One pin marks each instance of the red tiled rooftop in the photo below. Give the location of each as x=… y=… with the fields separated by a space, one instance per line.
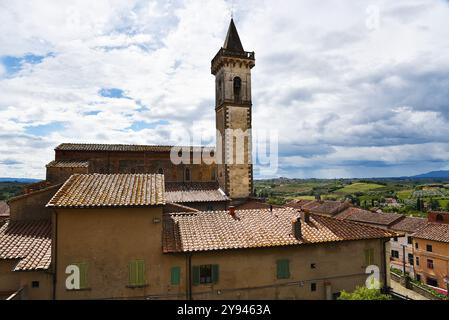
x=68 y=164
x=203 y=231
x=365 y=216
x=110 y=190
x=122 y=147
x=27 y=241
x=433 y=231
x=326 y=207
x=409 y=224
x=4 y=209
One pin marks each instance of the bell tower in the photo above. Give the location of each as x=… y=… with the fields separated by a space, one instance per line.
x=231 y=67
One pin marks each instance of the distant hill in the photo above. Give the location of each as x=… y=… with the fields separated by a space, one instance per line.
x=20 y=180
x=433 y=174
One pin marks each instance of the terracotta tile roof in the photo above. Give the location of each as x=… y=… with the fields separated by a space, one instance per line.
x=297 y=204
x=4 y=209
x=326 y=207
x=121 y=147
x=189 y=186
x=252 y=204
x=68 y=164
x=194 y=192
x=176 y=207
x=365 y=216
x=409 y=224
x=203 y=231
x=434 y=231
x=110 y=190
x=27 y=241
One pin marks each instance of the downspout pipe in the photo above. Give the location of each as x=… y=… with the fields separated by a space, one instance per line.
x=189 y=276
x=54 y=252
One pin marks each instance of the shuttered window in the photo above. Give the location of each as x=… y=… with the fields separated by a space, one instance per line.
x=369 y=257
x=175 y=276
x=283 y=269
x=137 y=273
x=82 y=266
x=205 y=274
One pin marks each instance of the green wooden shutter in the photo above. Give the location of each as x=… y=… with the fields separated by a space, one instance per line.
x=137 y=273
x=196 y=275
x=215 y=273
x=283 y=269
x=369 y=256
x=83 y=274
x=175 y=276
x=132 y=273
x=140 y=272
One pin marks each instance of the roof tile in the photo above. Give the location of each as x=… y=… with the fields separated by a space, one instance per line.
x=110 y=190
x=203 y=231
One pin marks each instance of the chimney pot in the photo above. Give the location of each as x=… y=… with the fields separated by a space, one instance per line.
x=305 y=215
x=296 y=228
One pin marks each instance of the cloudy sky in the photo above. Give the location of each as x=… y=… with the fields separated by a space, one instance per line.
x=354 y=88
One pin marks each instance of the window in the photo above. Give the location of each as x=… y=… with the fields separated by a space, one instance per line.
x=369 y=256
x=430 y=263
x=418 y=277
x=313 y=286
x=432 y=282
x=395 y=239
x=439 y=218
x=312 y=266
x=417 y=261
x=409 y=240
x=160 y=171
x=283 y=269
x=410 y=259
x=82 y=266
x=395 y=254
x=187 y=174
x=137 y=273
x=237 y=88
x=205 y=274
x=175 y=276
x=429 y=248
x=35 y=284
x=416 y=245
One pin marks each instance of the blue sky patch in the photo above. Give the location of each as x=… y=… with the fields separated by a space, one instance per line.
x=15 y=64
x=112 y=93
x=45 y=129
x=141 y=125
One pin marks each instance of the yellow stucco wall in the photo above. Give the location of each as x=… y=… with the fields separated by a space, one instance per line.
x=107 y=240
x=440 y=257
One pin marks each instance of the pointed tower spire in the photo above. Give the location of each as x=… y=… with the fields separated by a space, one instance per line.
x=232 y=41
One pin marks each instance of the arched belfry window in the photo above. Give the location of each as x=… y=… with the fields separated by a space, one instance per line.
x=237 y=89
x=220 y=90
x=187 y=174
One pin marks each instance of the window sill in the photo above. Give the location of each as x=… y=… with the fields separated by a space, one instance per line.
x=137 y=286
x=82 y=289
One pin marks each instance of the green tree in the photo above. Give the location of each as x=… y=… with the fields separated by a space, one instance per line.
x=363 y=293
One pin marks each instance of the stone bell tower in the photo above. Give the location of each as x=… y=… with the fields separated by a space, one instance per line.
x=231 y=67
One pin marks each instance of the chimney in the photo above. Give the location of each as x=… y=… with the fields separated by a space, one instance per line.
x=296 y=228
x=305 y=216
x=271 y=208
x=232 y=211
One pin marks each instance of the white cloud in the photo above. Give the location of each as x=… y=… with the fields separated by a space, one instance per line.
x=347 y=99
